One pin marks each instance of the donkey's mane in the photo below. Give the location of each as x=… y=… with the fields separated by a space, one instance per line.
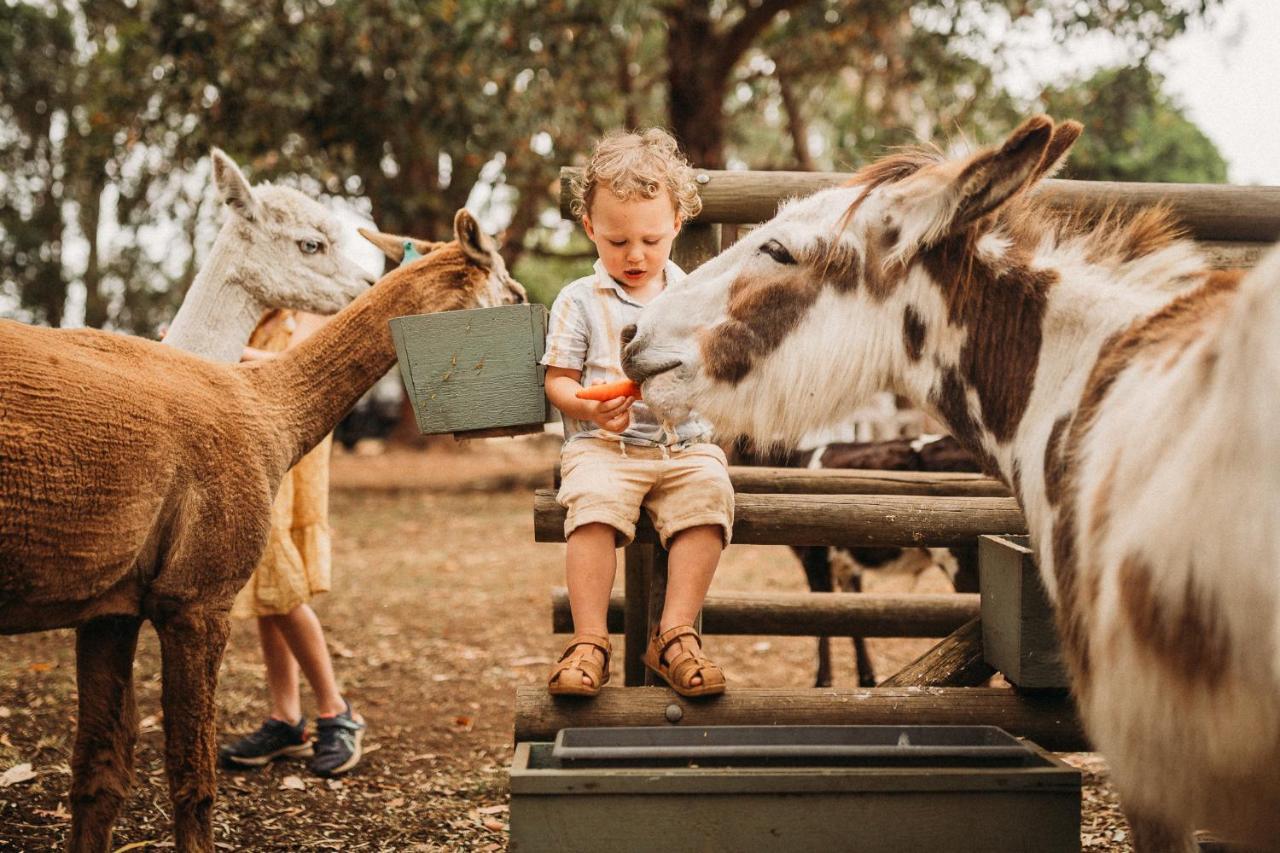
x=1114 y=235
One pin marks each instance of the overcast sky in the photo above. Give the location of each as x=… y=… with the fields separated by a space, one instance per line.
x=1228 y=76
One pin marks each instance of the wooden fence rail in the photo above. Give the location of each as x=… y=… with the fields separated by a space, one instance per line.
x=1048 y=719
x=1212 y=212
x=849 y=520
x=807 y=614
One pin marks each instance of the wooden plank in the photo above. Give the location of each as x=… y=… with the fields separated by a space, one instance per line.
x=1210 y=211
x=807 y=614
x=856 y=481
x=955 y=662
x=697 y=243
x=1050 y=720
x=842 y=481
x=631 y=617
x=850 y=520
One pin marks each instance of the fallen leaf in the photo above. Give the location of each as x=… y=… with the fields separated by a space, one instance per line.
x=17 y=773
x=396 y=803
x=59 y=813
x=293 y=783
x=492 y=809
x=463 y=723
x=135 y=845
x=40 y=666
x=149 y=723
x=335 y=784
x=4 y=712
x=494 y=825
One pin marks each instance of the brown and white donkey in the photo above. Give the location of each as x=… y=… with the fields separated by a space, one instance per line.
x=1126 y=392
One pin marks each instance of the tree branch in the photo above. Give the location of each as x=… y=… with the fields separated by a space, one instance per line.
x=743 y=34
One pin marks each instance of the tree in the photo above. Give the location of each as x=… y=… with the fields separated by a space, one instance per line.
x=1134 y=131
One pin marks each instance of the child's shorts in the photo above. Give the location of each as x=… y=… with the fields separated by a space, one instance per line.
x=607 y=482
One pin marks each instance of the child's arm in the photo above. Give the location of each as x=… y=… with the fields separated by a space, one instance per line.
x=563 y=383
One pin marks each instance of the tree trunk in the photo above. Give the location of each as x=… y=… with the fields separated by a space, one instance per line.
x=697 y=85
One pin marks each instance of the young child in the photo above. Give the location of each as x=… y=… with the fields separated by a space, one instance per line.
x=294 y=568
x=617 y=457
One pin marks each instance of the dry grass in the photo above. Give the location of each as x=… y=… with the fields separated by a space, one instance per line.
x=440 y=611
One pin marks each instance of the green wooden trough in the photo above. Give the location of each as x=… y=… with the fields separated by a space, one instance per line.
x=475 y=373
x=890 y=789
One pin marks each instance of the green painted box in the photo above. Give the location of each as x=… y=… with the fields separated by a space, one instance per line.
x=1019 y=637
x=475 y=372
x=1027 y=805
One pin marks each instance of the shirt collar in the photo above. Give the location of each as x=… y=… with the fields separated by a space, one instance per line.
x=604 y=281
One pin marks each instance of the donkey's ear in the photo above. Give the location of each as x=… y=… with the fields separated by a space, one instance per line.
x=393 y=245
x=1064 y=136
x=233 y=189
x=476 y=244
x=991 y=178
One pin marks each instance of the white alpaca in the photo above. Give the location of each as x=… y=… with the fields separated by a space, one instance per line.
x=277 y=249
x=1125 y=392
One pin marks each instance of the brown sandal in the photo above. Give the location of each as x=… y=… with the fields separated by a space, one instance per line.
x=680 y=672
x=568 y=678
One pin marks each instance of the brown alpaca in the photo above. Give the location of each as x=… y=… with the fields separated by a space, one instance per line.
x=136 y=483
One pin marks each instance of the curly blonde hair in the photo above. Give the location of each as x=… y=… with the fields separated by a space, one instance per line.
x=634 y=165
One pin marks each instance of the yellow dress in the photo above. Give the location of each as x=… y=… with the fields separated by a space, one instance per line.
x=297 y=562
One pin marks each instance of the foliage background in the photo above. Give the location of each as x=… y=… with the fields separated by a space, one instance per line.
x=404 y=111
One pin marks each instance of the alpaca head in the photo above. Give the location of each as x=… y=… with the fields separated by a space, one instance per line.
x=286 y=247
x=795 y=325
x=466 y=272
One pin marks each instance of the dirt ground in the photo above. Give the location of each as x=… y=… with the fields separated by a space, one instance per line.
x=440 y=610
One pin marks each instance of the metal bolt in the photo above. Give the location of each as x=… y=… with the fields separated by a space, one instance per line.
x=674 y=713
x=703 y=178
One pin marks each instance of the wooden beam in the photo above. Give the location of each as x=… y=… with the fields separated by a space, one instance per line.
x=854 y=481
x=955 y=662
x=805 y=614
x=851 y=520
x=758 y=479
x=1049 y=720
x=1211 y=211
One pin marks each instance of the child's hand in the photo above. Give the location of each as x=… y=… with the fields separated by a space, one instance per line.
x=613 y=415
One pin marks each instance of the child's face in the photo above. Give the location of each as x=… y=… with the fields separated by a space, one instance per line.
x=633 y=237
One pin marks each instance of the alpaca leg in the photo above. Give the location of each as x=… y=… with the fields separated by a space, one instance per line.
x=107 y=729
x=817 y=571
x=191 y=647
x=1156 y=836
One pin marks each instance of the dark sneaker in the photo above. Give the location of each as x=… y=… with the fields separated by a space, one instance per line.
x=338 y=740
x=273 y=739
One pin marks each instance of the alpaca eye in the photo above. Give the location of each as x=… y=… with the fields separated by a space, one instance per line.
x=778 y=252
x=310 y=247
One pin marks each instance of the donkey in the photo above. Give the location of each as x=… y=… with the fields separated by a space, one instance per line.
x=1123 y=390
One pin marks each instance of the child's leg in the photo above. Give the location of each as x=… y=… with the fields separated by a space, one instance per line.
x=282 y=671
x=694 y=555
x=691 y=564
x=301 y=631
x=590 y=565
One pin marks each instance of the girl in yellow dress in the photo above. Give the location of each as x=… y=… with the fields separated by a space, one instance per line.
x=295 y=567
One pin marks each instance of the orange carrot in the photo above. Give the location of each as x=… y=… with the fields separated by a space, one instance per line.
x=610 y=390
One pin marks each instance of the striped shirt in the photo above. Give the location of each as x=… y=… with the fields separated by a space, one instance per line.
x=584 y=334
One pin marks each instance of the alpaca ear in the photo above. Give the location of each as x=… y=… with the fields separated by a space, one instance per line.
x=1064 y=136
x=993 y=177
x=476 y=244
x=393 y=245
x=233 y=189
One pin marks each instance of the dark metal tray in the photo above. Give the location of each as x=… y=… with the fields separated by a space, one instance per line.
x=798 y=746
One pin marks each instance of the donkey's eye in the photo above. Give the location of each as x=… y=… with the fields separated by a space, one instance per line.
x=778 y=252
x=310 y=247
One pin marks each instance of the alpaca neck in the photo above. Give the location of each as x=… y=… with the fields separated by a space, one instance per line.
x=218 y=314
x=310 y=387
